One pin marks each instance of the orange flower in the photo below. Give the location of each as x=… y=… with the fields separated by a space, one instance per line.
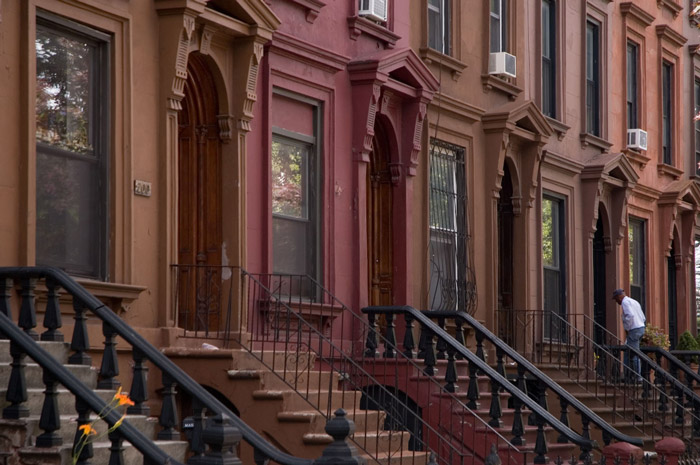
x=87 y=430
x=122 y=399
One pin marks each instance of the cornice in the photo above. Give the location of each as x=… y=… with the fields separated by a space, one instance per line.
x=359 y=25
x=635 y=12
x=646 y=193
x=458 y=108
x=562 y=163
x=453 y=65
x=490 y=82
x=287 y=45
x=664 y=31
x=668 y=170
x=674 y=7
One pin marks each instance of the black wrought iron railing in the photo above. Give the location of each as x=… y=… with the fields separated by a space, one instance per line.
x=453 y=347
x=592 y=368
x=23 y=336
x=299 y=331
x=674 y=405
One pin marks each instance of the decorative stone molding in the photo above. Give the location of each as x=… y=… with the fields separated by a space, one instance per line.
x=312 y=7
x=667 y=170
x=359 y=25
x=598 y=142
x=673 y=7
x=491 y=82
x=664 y=31
x=307 y=53
x=630 y=10
x=183 y=50
x=679 y=205
x=205 y=40
x=559 y=127
x=225 y=127
x=451 y=64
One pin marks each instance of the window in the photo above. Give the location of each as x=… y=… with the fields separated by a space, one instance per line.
x=295 y=204
x=72 y=146
x=636 y=238
x=553 y=262
x=498 y=26
x=448 y=238
x=548 y=58
x=666 y=115
x=439 y=25
x=697 y=281
x=632 y=85
x=697 y=126
x=593 y=77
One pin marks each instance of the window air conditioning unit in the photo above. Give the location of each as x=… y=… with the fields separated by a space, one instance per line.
x=502 y=63
x=636 y=139
x=373 y=9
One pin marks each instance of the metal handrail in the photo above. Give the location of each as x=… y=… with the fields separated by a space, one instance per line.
x=183 y=380
x=538 y=374
x=584 y=443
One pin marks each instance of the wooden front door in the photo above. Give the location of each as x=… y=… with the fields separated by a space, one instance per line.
x=379 y=227
x=199 y=202
x=600 y=296
x=507 y=321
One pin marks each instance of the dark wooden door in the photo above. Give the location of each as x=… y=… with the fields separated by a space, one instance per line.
x=507 y=320
x=672 y=298
x=599 y=295
x=199 y=202
x=379 y=227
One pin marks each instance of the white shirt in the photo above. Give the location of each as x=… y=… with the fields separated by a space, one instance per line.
x=632 y=315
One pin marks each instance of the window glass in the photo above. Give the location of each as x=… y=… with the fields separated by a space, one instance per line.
x=636 y=239
x=697 y=126
x=632 y=76
x=548 y=58
x=592 y=78
x=448 y=247
x=697 y=280
x=72 y=119
x=667 y=92
x=554 y=269
x=497 y=26
x=290 y=178
x=439 y=25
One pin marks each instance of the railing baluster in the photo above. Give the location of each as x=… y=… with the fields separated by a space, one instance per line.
x=495 y=411
x=564 y=418
x=480 y=347
x=429 y=352
x=678 y=391
x=390 y=336
x=50 y=420
x=518 y=430
x=197 y=446
x=5 y=294
x=408 y=342
x=586 y=433
x=540 y=441
x=459 y=336
x=371 y=342
x=696 y=419
x=441 y=345
x=109 y=369
x=473 y=389
x=259 y=458
x=79 y=343
x=27 y=311
x=52 y=317
x=116 y=449
x=451 y=372
x=86 y=452
x=168 y=413
x=17 y=386
x=139 y=393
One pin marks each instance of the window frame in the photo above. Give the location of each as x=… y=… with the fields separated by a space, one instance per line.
x=444 y=11
x=100 y=127
x=549 y=99
x=559 y=251
x=458 y=218
x=638 y=251
x=502 y=18
x=632 y=85
x=696 y=123
x=667 y=109
x=593 y=84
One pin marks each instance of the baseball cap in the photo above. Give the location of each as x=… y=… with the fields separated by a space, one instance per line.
x=617 y=292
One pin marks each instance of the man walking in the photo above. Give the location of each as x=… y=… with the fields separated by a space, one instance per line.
x=634 y=321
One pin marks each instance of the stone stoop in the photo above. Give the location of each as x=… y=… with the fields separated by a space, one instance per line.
x=17 y=437
x=283 y=405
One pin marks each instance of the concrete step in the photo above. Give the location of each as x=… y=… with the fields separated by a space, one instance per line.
x=33 y=374
x=316 y=422
x=290 y=400
x=65 y=399
x=58 y=350
x=401 y=458
x=101 y=452
x=300 y=381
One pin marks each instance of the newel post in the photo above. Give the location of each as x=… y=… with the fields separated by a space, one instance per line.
x=340 y=452
x=671 y=449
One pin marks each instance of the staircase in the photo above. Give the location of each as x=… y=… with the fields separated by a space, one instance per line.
x=17 y=437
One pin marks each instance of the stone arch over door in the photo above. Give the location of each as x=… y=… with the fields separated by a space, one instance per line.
x=607 y=181
x=244 y=26
x=515 y=135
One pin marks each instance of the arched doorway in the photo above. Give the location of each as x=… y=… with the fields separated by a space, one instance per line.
x=599 y=295
x=199 y=201
x=505 y=258
x=380 y=223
